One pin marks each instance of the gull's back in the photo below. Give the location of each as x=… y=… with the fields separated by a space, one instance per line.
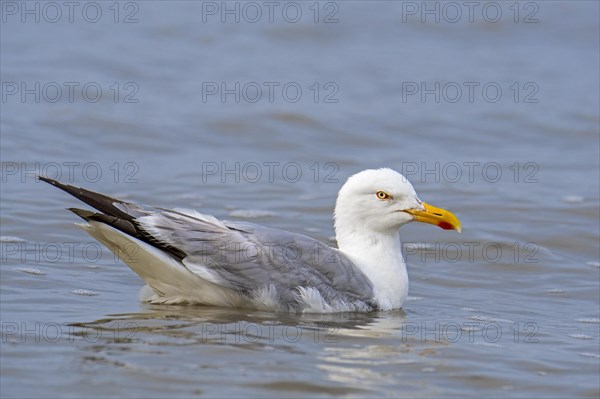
x=188 y=257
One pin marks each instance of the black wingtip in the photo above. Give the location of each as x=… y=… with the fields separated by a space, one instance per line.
x=48 y=180
x=112 y=215
x=56 y=183
x=82 y=213
x=101 y=202
x=65 y=187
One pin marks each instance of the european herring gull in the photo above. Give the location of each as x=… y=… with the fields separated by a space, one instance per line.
x=188 y=257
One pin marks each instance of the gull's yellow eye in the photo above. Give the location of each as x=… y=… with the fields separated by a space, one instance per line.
x=382 y=195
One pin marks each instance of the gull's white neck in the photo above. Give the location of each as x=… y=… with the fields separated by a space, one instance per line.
x=379 y=256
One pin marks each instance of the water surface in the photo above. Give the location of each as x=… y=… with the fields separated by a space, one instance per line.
x=509 y=308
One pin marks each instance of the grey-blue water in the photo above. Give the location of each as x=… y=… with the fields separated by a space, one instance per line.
x=261 y=111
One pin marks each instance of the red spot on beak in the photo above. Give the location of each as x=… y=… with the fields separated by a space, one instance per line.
x=446 y=226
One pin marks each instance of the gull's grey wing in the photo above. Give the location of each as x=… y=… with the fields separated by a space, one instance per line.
x=248 y=257
x=236 y=255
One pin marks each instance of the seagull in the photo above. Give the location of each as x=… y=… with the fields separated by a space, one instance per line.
x=186 y=257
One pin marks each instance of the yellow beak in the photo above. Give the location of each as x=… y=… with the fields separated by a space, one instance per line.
x=433 y=215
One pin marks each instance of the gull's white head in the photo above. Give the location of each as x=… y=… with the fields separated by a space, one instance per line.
x=382 y=200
